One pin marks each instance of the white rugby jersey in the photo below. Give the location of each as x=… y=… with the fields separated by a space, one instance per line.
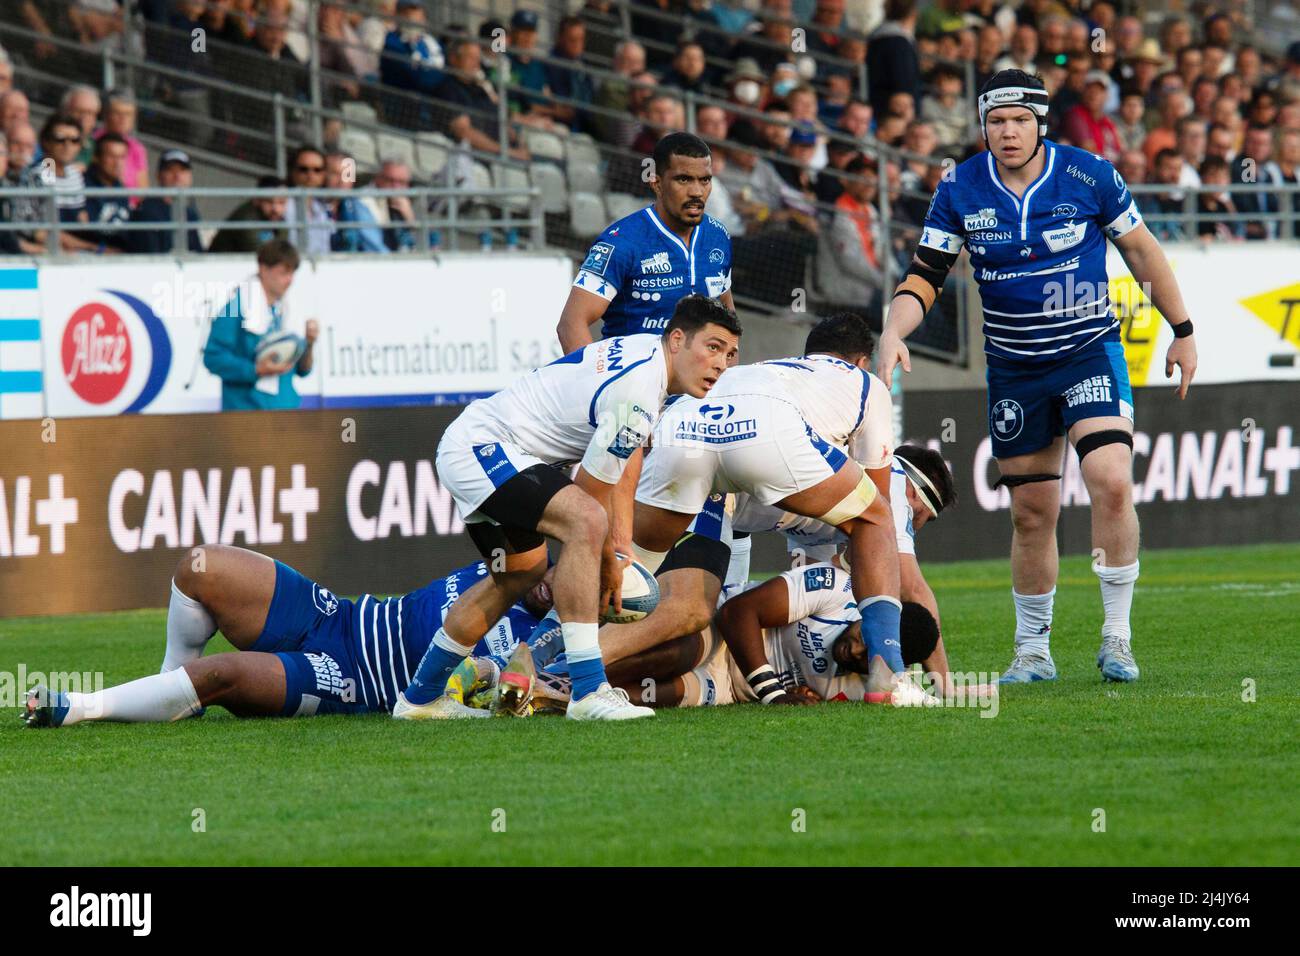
x=848 y=407
x=821 y=607
x=596 y=405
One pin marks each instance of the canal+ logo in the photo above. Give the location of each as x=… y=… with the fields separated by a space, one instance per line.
x=116 y=353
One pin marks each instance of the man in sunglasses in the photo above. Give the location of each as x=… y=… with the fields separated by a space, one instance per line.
x=313 y=231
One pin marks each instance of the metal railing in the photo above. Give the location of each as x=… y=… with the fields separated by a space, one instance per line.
x=437 y=213
x=1183 y=222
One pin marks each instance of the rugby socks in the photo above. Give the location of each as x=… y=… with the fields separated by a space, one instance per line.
x=156 y=699
x=1116 y=599
x=738 y=567
x=880 y=621
x=189 y=628
x=1033 y=622
x=442 y=657
x=582 y=648
x=547 y=640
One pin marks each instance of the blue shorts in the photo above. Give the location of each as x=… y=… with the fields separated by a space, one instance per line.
x=1031 y=405
x=312 y=632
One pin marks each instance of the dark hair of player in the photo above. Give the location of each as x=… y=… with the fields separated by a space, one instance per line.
x=918 y=633
x=845 y=334
x=278 y=252
x=678 y=144
x=694 y=312
x=931 y=464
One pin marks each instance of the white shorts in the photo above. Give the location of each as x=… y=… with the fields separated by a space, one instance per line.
x=472 y=465
x=751 y=443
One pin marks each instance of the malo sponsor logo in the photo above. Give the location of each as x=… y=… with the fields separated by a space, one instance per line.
x=984 y=219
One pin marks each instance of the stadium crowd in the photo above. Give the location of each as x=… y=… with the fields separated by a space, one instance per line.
x=1174 y=99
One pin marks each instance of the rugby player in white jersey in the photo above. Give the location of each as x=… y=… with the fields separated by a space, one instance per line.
x=1035 y=217
x=779 y=431
x=501 y=462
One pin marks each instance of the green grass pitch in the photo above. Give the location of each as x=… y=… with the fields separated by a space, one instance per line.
x=1185 y=770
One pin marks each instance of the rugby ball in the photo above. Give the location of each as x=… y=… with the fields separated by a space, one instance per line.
x=282 y=348
x=640 y=595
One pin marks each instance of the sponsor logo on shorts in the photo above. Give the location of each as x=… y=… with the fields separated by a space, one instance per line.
x=1006 y=420
x=984 y=219
x=329 y=676
x=658 y=264
x=1089 y=391
x=717 y=433
x=597 y=260
x=818 y=579
x=324 y=600
x=717 y=413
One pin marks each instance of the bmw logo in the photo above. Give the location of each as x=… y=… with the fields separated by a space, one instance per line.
x=1006 y=420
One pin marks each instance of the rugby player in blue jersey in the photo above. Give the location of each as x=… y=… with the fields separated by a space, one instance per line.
x=643 y=264
x=302 y=650
x=1035 y=216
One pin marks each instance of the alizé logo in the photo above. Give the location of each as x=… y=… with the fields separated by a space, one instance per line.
x=96 y=353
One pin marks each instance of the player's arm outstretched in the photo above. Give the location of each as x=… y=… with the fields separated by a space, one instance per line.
x=741 y=621
x=1146 y=260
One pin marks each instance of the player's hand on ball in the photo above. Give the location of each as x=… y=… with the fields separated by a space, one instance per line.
x=611 y=580
x=267 y=367
x=892 y=352
x=1183 y=354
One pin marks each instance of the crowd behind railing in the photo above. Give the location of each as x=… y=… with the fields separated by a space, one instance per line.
x=831 y=119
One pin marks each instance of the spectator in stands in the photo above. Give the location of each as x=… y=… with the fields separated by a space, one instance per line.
x=659 y=32
x=119 y=118
x=1133 y=166
x=107 y=213
x=230 y=22
x=1219 y=142
x=989 y=45
x=921 y=140
x=892 y=63
x=1190 y=144
x=342 y=51
x=940 y=17
x=310 y=217
x=711 y=125
x=1158 y=209
x=615 y=96
x=772 y=44
x=1214 y=172
x=1139 y=69
x=687 y=73
x=830 y=184
x=1262 y=110
x=258 y=309
x=1087 y=126
x=1070 y=93
x=6 y=74
x=747 y=86
x=412 y=61
x=1131 y=125
x=12 y=243
x=15 y=108
x=174 y=172
x=570 y=82
x=946 y=110
x=1287 y=81
x=82 y=104
x=839 y=90
x=528 y=72
x=855 y=121
x=1023 y=54
x=98 y=23
x=1187 y=64
x=374 y=29
x=60 y=143
x=22 y=149
x=395 y=210
x=825 y=27
x=1255 y=170
x=357 y=229
x=271 y=38
x=850 y=271
x=258 y=209
x=604 y=28
x=664 y=113
x=1288 y=171
x=1174 y=105
x=468 y=105
x=797 y=169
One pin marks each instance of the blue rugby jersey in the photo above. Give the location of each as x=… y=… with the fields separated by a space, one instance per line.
x=391 y=635
x=1040 y=259
x=642 y=269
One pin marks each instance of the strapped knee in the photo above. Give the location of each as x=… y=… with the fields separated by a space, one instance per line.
x=1111 y=436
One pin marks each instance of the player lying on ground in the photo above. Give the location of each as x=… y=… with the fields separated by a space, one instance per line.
x=302 y=650
x=921 y=487
x=501 y=460
x=1035 y=216
x=778 y=431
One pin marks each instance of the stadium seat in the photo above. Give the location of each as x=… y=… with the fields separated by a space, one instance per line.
x=618 y=205
x=431 y=151
x=544 y=145
x=392 y=146
x=359 y=111
x=586 y=215
x=511 y=177
x=580 y=149
x=360 y=145
x=584 y=177
x=555 y=191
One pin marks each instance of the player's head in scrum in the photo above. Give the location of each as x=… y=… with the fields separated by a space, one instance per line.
x=701 y=342
x=929 y=486
x=917 y=633
x=682 y=178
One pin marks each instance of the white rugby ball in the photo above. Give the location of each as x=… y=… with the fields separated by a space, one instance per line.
x=282 y=348
x=640 y=595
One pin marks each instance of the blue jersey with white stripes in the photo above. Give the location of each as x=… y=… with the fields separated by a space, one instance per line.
x=1039 y=258
x=641 y=268
x=390 y=635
